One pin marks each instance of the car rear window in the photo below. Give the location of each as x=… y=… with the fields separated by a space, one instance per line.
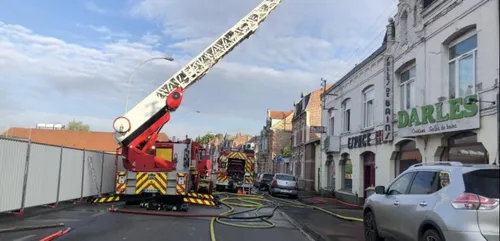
x=483 y=182
x=285 y=177
x=268 y=176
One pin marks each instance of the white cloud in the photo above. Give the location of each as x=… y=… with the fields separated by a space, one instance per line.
x=54 y=80
x=92 y=6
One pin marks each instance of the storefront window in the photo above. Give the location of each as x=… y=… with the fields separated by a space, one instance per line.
x=408 y=155
x=330 y=172
x=346 y=172
x=465 y=148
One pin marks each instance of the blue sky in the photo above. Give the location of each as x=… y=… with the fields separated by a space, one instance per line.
x=64 y=60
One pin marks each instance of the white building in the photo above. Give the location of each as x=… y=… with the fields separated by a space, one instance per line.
x=414 y=99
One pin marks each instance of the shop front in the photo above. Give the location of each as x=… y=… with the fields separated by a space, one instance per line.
x=358 y=164
x=447 y=130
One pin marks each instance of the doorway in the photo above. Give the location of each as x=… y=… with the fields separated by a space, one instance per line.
x=368 y=171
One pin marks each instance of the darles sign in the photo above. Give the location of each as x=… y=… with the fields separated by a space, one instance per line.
x=388 y=99
x=457 y=115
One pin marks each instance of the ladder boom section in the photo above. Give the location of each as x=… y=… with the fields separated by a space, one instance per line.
x=152 y=107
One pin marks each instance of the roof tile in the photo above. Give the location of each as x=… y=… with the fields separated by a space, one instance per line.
x=88 y=140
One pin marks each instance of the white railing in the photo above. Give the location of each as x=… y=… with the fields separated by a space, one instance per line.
x=33 y=174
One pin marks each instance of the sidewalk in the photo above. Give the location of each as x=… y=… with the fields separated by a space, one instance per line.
x=333 y=205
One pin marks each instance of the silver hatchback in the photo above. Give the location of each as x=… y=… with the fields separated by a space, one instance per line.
x=284 y=184
x=445 y=201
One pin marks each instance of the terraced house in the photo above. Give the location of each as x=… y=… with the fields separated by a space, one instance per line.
x=274 y=136
x=307 y=113
x=427 y=94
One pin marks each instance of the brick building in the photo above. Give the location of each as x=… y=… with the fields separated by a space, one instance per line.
x=307 y=113
x=275 y=136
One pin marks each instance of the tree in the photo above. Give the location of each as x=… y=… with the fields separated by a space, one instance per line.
x=286 y=151
x=207 y=138
x=219 y=136
x=78 y=126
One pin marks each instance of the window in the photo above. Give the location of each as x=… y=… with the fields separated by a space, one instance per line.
x=331 y=126
x=346 y=173
x=346 y=110
x=407 y=88
x=428 y=2
x=368 y=108
x=464 y=147
x=286 y=178
x=483 y=182
x=401 y=184
x=462 y=67
x=304 y=128
x=425 y=183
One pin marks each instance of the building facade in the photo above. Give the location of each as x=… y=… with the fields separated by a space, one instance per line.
x=307 y=113
x=428 y=94
x=274 y=136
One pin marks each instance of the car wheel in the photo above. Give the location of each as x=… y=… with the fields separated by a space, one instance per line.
x=370 y=226
x=431 y=235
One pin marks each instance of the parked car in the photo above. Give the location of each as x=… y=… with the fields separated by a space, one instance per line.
x=444 y=201
x=284 y=184
x=256 y=179
x=264 y=181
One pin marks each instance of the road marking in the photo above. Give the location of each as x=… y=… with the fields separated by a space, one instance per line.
x=98 y=214
x=24 y=238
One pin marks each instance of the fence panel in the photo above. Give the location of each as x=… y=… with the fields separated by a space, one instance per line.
x=89 y=185
x=71 y=174
x=109 y=174
x=12 y=168
x=43 y=175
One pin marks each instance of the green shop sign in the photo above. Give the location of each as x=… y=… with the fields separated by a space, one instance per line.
x=454 y=115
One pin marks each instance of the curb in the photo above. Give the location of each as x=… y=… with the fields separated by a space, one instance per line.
x=306 y=231
x=42 y=211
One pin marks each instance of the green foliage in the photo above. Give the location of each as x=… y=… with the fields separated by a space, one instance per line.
x=208 y=137
x=348 y=167
x=78 y=126
x=287 y=151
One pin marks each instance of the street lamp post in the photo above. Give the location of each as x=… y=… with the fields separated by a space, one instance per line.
x=135 y=70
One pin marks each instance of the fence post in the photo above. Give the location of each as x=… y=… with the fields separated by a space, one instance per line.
x=25 y=178
x=83 y=176
x=102 y=170
x=59 y=176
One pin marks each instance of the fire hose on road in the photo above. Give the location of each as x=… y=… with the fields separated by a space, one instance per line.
x=251 y=203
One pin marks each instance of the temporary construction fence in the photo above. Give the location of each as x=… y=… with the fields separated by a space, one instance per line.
x=33 y=174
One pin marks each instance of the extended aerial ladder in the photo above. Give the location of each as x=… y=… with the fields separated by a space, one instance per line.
x=138 y=129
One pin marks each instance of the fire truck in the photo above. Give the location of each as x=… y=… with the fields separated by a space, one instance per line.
x=235 y=169
x=137 y=130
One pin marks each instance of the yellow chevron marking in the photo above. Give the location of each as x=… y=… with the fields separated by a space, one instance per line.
x=107 y=199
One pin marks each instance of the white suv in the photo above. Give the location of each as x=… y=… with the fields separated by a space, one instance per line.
x=445 y=201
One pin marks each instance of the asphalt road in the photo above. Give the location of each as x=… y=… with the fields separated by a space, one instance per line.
x=322 y=226
x=96 y=223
